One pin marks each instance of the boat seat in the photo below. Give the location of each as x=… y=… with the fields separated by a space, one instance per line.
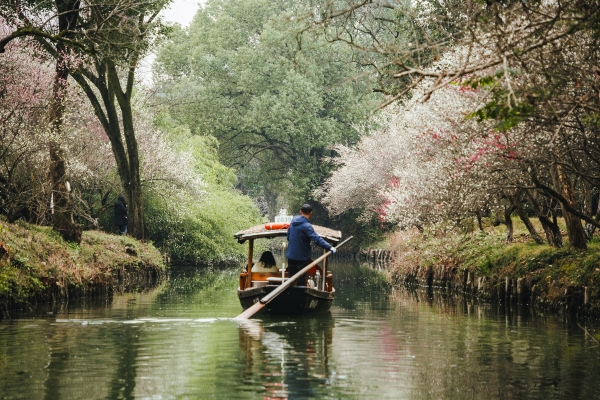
x=276 y=280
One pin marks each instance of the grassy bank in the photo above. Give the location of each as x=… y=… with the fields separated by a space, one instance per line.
x=36 y=262
x=552 y=274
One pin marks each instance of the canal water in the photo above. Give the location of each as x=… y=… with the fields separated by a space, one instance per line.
x=179 y=341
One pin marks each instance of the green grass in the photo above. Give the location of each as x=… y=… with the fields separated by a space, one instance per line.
x=38 y=257
x=487 y=254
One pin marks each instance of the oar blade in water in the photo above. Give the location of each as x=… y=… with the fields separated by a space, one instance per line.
x=250 y=311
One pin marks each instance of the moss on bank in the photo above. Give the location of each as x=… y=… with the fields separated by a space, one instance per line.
x=36 y=262
x=484 y=264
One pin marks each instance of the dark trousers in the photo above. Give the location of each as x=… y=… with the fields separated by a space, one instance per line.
x=296 y=265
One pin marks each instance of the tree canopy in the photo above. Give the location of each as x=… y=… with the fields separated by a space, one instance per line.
x=529 y=143
x=276 y=95
x=490 y=109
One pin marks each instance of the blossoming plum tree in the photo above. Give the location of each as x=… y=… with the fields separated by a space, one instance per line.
x=536 y=142
x=106 y=40
x=25 y=88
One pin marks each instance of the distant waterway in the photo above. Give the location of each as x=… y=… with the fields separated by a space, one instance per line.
x=180 y=341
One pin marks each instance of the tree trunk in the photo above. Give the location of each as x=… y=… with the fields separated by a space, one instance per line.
x=564 y=186
x=102 y=90
x=126 y=154
x=589 y=228
x=479 y=221
x=551 y=229
x=507 y=220
x=62 y=220
x=509 y=224
x=136 y=208
x=532 y=231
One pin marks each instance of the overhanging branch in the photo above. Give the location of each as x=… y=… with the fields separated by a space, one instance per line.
x=29 y=31
x=565 y=202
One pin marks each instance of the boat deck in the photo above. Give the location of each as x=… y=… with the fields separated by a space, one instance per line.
x=295 y=300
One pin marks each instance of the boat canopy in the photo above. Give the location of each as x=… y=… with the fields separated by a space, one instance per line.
x=260 y=231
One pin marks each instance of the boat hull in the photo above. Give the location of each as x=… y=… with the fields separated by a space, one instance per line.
x=295 y=300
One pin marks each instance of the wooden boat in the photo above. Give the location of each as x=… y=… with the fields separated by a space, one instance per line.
x=311 y=296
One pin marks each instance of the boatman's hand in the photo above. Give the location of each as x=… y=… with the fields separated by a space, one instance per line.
x=332 y=249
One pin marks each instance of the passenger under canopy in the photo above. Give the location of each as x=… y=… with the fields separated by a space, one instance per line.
x=314 y=294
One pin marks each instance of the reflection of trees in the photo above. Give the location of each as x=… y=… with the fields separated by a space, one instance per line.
x=500 y=350
x=123 y=382
x=291 y=357
x=349 y=276
x=74 y=359
x=45 y=359
x=59 y=363
x=194 y=281
x=416 y=344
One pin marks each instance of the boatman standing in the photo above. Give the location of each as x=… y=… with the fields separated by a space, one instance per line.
x=299 y=235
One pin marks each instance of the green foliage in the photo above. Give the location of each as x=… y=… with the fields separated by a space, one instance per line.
x=195 y=226
x=353 y=275
x=199 y=228
x=276 y=99
x=501 y=107
x=368 y=277
x=486 y=82
x=17 y=283
x=365 y=233
x=591 y=118
x=204 y=150
x=206 y=281
x=507 y=116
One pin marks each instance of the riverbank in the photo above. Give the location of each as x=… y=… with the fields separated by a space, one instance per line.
x=484 y=265
x=37 y=265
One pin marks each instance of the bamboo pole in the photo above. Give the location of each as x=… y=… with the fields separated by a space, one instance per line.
x=250 y=311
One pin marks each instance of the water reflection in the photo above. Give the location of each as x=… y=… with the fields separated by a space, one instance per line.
x=291 y=356
x=180 y=341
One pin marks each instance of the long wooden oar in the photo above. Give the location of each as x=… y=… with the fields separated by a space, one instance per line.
x=250 y=311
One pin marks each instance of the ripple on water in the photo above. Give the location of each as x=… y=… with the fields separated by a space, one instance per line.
x=178 y=344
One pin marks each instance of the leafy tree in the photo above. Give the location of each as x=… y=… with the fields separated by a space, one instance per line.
x=192 y=207
x=99 y=45
x=66 y=18
x=276 y=96
x=25 y=87
x=536 y=60
x=199 y=227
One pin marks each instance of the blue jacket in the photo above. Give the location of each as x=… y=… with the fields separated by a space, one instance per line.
x=299 y=235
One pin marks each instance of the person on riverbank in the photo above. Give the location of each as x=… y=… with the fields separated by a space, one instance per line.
x=121 y=215
x=299 y=235
x=266 y=263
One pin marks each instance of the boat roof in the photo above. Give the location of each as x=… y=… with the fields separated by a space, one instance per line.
x=259 y=231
